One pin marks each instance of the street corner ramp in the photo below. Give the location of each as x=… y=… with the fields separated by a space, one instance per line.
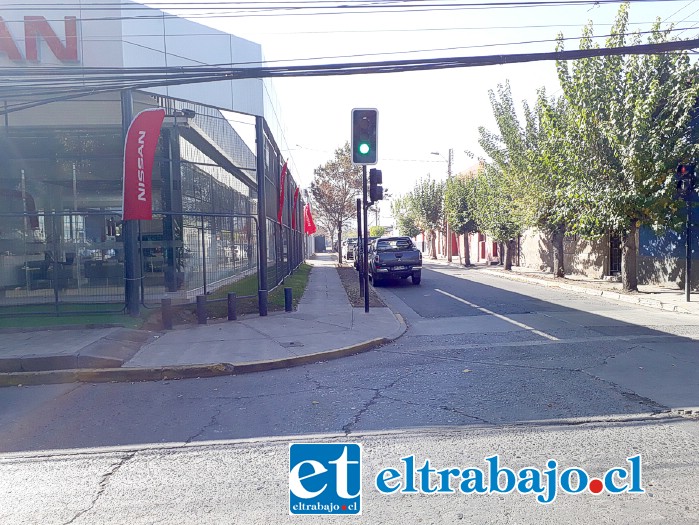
x=140 y=374
x=115 y=375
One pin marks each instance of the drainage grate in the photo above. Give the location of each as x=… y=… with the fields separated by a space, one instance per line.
x=291 y=343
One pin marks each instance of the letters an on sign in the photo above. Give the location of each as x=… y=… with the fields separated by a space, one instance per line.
x=37 y=28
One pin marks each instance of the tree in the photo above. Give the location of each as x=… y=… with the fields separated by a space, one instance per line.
x=421 y=210
x=632 y=115
x=402 y=213
x=426 y=207
x=503 y=206
x=493 y=211
x=377 y=231
x=555 y=161
x=458 y=194
x=334 y=188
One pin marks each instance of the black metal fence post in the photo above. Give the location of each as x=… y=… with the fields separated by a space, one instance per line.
x=201 y=309
x=288 y=301
x=166 y=312
x=262 y=302
x=232 y=306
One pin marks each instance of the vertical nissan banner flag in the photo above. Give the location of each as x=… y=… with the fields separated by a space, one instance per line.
x=309 y=226
x=282 y=184
x=293 y=213
x=139 y=153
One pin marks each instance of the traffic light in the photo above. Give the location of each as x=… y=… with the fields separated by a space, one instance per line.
x=375 y=181
x=685 y=180
x=364 y=136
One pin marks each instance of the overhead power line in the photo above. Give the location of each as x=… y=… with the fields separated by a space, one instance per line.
x=30 y=87
x=228 y=9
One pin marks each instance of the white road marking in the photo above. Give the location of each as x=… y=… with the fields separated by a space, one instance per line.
x=499 y=316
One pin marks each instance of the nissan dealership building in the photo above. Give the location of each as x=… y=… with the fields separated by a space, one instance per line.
x=215 y=187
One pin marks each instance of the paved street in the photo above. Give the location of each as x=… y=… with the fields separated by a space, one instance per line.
x=498 y=366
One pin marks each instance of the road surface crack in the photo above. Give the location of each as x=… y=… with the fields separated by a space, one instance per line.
x=347 y=429
x=213 y=421
x=113 y=469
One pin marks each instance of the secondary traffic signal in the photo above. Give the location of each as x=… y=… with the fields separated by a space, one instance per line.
x=375 y=181
x=364 y=136
x=685 y=180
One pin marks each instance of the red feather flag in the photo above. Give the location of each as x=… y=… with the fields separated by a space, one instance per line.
x=139 y=154
x=293 y=214
x=308 y=225
x=282 y=184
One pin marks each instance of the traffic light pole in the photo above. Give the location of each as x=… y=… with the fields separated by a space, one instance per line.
x=360 y=246
x=365 y=247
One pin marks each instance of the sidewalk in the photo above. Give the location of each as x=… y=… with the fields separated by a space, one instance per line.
x=323 y=327
x=666 y=298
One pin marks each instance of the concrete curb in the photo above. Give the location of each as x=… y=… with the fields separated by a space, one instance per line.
x=137 y=374
x=607 y=294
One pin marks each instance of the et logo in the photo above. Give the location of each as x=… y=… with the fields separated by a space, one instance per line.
x=325 y=478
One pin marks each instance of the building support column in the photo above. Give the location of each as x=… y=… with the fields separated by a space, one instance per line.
x=261 y=205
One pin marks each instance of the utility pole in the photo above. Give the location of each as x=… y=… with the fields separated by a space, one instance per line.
x=449 y=160
x=451 y=157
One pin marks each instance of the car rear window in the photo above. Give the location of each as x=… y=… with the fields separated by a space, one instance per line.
x=390 y=245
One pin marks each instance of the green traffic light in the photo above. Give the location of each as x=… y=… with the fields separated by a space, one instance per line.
x=364 y=148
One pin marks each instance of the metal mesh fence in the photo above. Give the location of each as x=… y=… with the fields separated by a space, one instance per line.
x=59 y=261
x=73 y=258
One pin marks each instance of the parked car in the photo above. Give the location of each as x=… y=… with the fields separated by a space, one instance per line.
x=348 y=248
x=394 y=258
x=358 y=253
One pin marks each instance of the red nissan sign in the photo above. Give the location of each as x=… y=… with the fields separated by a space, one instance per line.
x=139 y=152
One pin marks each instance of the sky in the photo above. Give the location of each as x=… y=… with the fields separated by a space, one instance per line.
x=428 y=111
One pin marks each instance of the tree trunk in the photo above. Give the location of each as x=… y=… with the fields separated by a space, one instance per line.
x=339 y=243
x=557 y=243
x=509 y=247
x=467 y=251
x=433 y=245
x=629 y=260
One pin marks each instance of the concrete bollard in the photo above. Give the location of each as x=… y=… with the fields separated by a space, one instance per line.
x=232 y=306
x=201 y=309
x=166 y=312
x=262 y=302
x=288 y=303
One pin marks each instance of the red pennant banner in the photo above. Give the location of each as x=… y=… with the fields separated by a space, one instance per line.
x=139 y=153
x=293 y=215
x=308 y=225
x=282 y=184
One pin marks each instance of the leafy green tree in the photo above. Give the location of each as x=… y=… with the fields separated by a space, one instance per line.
x=458 y=194
x=426 y=204
x=493 y=211
x=632 y=115
x=402 y=214
x=334 y=189
x=503 y=206
x=377 y=231
x=421 y=210
x=555 y=160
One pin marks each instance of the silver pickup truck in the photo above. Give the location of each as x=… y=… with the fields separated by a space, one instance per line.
x=394 y=258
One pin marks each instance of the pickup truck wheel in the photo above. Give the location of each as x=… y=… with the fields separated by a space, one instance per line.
x=416 y=279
